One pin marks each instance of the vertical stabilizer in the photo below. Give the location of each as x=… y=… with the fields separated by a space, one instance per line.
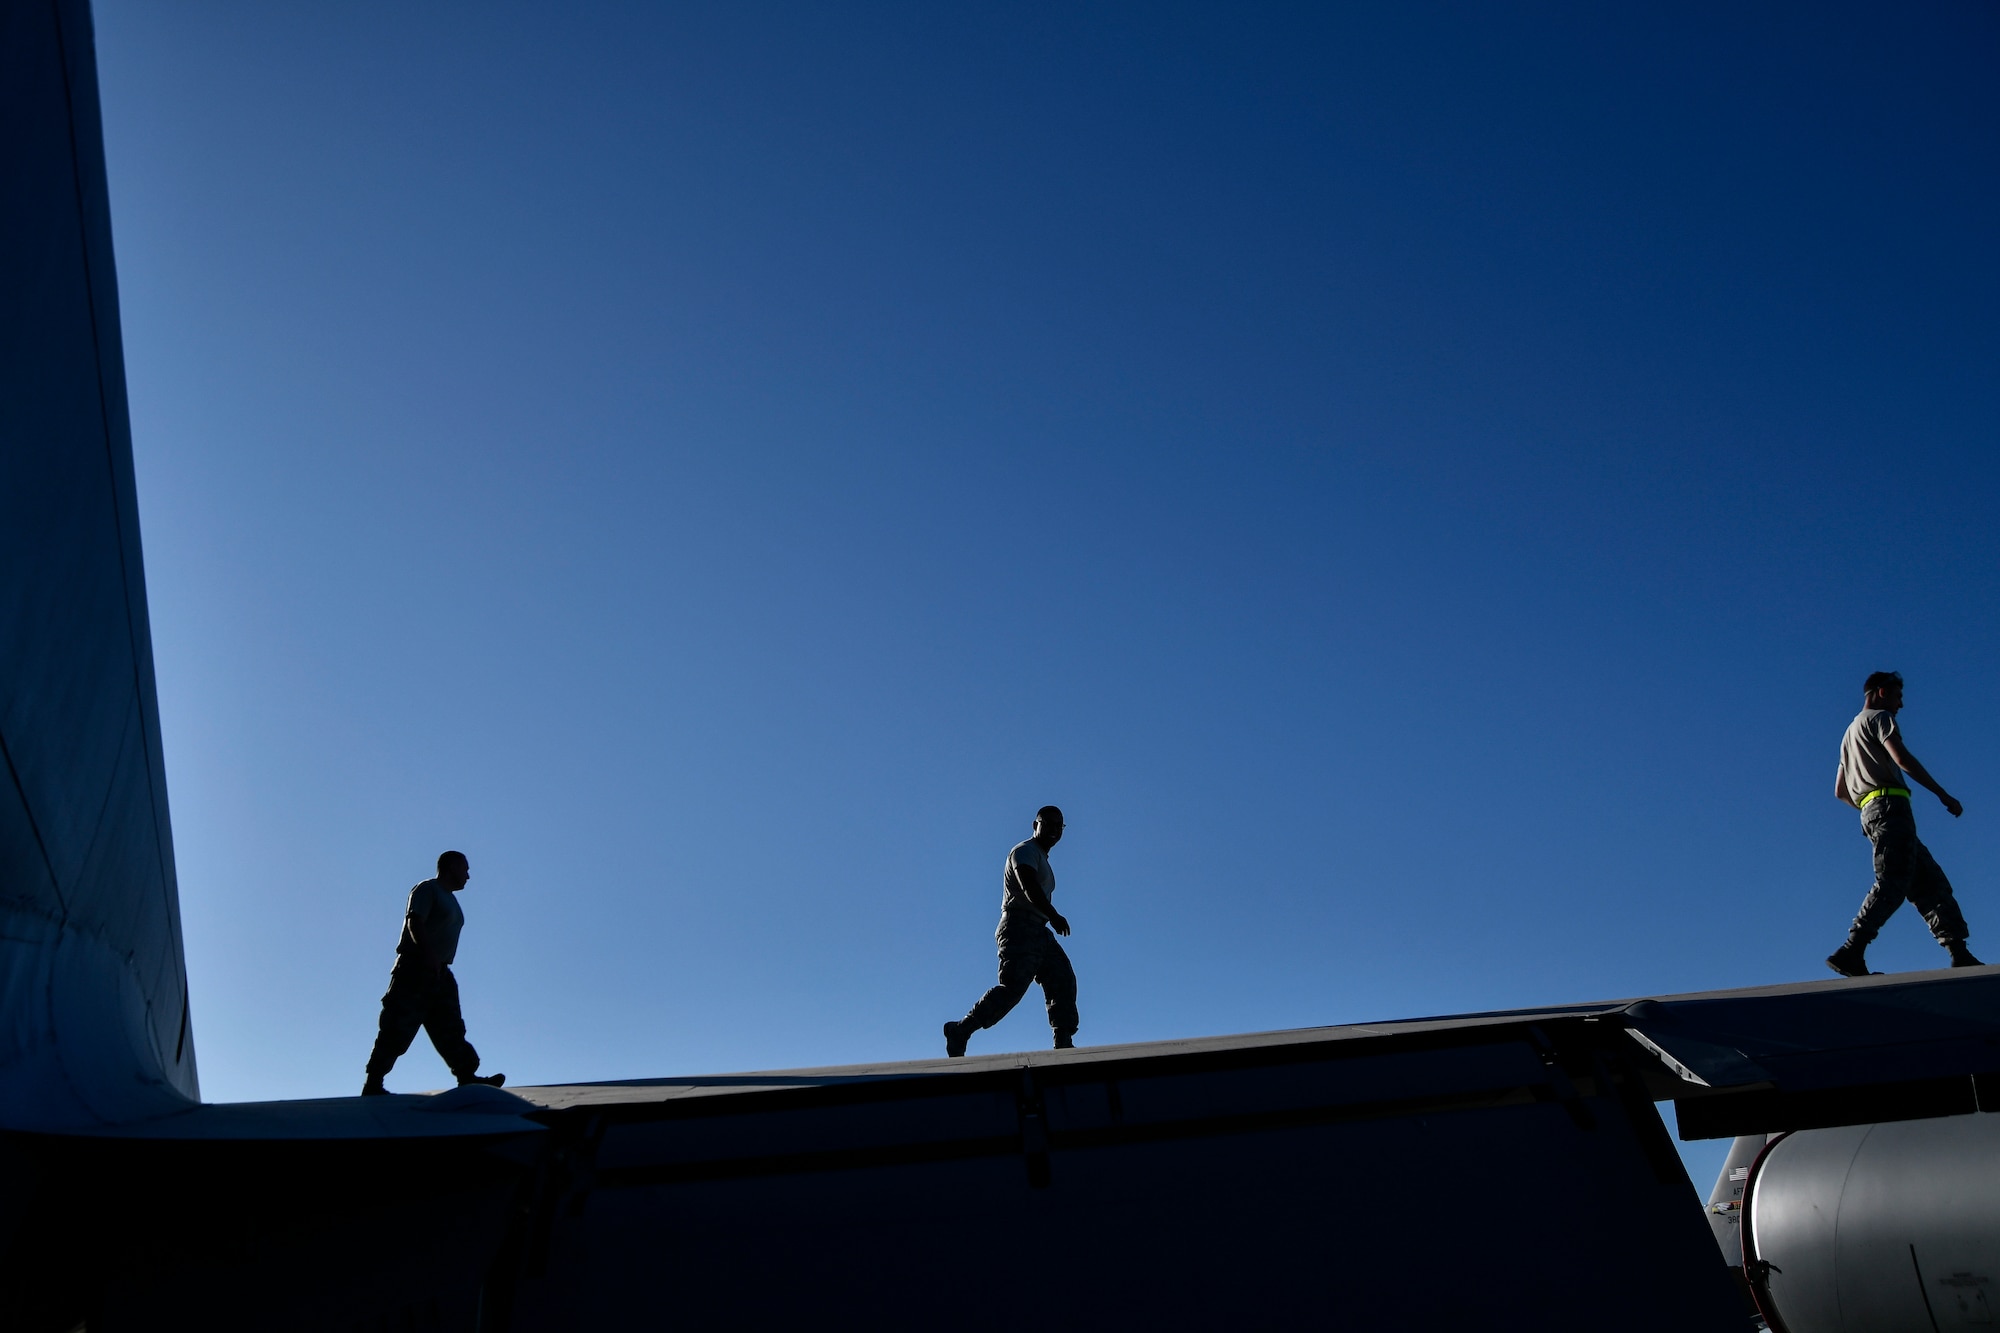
x=93 y=984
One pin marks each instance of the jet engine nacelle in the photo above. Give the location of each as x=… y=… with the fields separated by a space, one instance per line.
x=1889 y=1228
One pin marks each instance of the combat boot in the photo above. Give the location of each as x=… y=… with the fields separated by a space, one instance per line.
x=1962 y=956
x=1063 y=1042
x=490 y=1080
x=1849 y=960
x=955 y=1034
x=373 y=1087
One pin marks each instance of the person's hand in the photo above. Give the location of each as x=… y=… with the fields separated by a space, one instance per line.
x=1060 y=923
x=1951 y=804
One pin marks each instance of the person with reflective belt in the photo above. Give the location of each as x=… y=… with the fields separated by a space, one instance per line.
x=1873 y=761
x=1028 y=952
x=422 y=991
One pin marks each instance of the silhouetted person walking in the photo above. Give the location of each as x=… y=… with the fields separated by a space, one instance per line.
x=422 y=991
x=1873 y=760
x=1028 y=952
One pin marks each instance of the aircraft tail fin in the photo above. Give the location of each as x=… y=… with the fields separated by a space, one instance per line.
x=94 y=1023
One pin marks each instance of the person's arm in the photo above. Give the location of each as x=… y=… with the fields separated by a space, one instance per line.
x=416 y=923
x=1031 y=889
x=1908 y=763
x=1840 y=785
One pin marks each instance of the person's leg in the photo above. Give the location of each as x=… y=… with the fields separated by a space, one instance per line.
x=1930 y=893
x=445 y=1023
x=1058 y=980
x=402 y=1015
x=1894 y=835
x=1019 y=956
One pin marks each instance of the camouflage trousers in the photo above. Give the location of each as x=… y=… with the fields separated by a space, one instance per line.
x=419 y=999
x=1030 y=954
x=1904 y=869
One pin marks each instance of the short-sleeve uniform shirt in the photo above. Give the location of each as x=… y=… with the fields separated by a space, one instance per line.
x=435 y=918
x=1027 y=860
x=1865 y=762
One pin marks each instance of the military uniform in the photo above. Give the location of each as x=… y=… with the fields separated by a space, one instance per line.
x=1904 y=867
x=419 y=997
x=1029 y=951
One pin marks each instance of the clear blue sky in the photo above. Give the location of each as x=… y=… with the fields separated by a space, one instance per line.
x=1421 y=486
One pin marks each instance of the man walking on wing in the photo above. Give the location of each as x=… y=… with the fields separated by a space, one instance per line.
x=1028 y=952
x=422 y=991
x=1873 y=760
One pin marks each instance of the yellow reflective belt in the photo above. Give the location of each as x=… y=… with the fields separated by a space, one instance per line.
x=1903 y=792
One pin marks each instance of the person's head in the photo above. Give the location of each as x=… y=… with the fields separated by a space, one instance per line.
x=1048 y=826
x=1884 y=689
x=454 y=869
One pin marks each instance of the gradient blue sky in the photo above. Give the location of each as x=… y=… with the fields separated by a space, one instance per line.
x=1420 y=485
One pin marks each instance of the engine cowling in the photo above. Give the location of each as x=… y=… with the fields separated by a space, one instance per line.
x=1889 y=1228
